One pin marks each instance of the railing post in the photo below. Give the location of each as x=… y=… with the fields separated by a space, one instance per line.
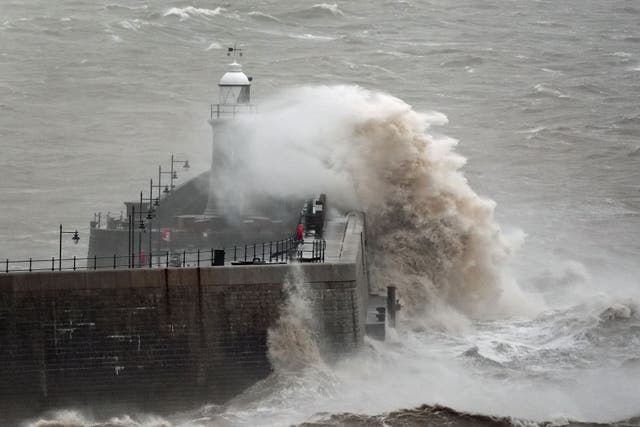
x=167 y=254
x=150 y=257
x=254 y=251
x=245 y=253
x=235 y=249
x=271 y=251
x=198 y=257
x=53 y=264
x=114 y=261
x=184 y=257
x=74 y=263
x=262 y=251
x=95 y=262
x=211 y=256
x=7 y=266
x=30 y=262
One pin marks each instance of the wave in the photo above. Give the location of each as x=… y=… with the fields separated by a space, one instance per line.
x=318 y=11
x=542 y=89
x=116 y=6
x=133 y=24
x=214 y=45
x=190 y=12
x=260 y=16
x=427 y=415
x=429 y=232
x=307 y=36
x=466 y=61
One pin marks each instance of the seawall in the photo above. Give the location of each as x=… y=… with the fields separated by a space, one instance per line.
x=162 y=338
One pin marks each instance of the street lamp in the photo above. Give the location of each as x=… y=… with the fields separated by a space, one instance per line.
x=174 y=174
x=75 y=238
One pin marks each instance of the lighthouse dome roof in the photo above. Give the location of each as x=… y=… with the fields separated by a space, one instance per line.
x=235 y=76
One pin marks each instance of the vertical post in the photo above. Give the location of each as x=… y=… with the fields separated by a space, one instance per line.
x=167 y=259
x=95 y=262
x=270 y=251
x=53 y=264
x=211 y=256
x=150 y=242
x=114 y=261
x=60 y=251
x=140 y=235
x=235 y=250
x=254 y=251
x=245 y=252
x=30 y=262
x=7 y=266
x=129 y=238
x=171 y=175
x=74 y=263
x=262 y=251
x=198 y=257
x=391 y=305
x=184 y=257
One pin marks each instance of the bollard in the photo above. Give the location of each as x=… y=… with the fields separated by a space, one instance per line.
x=391 y=305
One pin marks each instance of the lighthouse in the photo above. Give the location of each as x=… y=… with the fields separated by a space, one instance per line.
x=234 y=98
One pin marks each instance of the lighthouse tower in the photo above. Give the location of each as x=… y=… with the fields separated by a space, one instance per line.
x=234 y=98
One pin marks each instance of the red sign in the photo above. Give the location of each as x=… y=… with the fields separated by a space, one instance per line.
x=166 y=234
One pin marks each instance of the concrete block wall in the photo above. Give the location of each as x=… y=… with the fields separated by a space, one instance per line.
x=156 y=338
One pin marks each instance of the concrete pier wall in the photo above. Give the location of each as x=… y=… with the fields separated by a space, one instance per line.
x=160 y=338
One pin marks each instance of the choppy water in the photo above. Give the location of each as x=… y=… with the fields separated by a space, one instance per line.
x=542 y=95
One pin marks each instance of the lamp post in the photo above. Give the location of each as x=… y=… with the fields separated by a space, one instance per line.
x=174 y=175
x=75 y=239
x=150 y=212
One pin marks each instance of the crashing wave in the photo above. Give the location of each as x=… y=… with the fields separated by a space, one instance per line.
x=430 y=234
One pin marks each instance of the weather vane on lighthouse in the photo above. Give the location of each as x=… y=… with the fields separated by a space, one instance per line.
x=236 y=51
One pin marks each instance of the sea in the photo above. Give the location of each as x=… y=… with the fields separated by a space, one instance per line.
x=494 y=145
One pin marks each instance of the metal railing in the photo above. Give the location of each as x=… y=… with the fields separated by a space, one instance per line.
x=279 y=251
x=226 y=110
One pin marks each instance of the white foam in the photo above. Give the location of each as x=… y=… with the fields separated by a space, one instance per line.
x=133 y=24
x=333 y=8
x=264 y=15
x=214 y=45
x=190 y=11
x=307 y=36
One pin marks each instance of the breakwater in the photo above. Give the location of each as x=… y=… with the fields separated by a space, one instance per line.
x=163 y=338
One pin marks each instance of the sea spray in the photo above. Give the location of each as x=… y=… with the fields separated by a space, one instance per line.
x=293 y=341
x=429 y=233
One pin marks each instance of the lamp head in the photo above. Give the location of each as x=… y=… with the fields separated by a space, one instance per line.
x=75 y=237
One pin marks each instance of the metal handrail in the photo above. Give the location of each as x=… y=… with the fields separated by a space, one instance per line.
x=278 y=251
x=219 y=110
